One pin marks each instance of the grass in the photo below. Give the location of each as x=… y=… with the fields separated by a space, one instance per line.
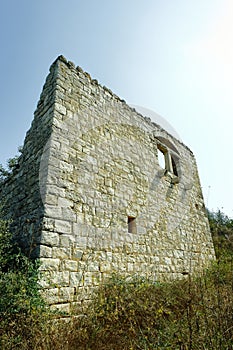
x=136 y=314
x=195 y=313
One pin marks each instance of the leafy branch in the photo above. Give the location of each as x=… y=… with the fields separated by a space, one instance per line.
x=12 y=164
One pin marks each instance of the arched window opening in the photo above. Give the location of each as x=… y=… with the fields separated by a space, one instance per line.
x=174 y=167
x=161 y=159
x=167 y=160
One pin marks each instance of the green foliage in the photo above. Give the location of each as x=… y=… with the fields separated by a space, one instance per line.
x=221 y=227
x=135 y=314
x=20 y=303
x=220 y=223
x=194 y=313
x=12 y=164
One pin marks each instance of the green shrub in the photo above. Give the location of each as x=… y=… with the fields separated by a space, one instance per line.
x=194 y=313
x=136 y=314
x=12 y=164
x=221 y=227
x=21 y=307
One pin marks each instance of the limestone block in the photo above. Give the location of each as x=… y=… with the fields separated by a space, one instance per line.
x=81 y=242
x=63 y=226
x=45 y=251
x=59 y=278
x=167 y=261
x=66 y=294
x=66 y=167
x=76 y=279
x=67 y=240
x=54 y=279
x=55 y=144
x=51 y=200
x=88 y=279
x=80 y=218
x=77 y=254
x=51 y=295
x=69 y=214
x=93 y=266
x=62 y=252
x=49 y=264
x=44 y=279
x=70 y=265
x=53 y=211
x=64 y=202
x=56 y=190
x=49 y=238
x=61 y=109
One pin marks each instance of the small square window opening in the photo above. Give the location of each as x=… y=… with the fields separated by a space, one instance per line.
x=132 y=224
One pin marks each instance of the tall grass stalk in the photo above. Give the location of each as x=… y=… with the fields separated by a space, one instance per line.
x=195 y=313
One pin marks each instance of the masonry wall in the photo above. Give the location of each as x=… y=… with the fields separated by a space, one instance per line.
x=21 y=193
x=102 y=200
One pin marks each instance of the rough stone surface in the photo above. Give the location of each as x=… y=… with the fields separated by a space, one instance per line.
x=89 y=196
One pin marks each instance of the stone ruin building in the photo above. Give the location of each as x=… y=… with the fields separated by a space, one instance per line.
x=90 y=195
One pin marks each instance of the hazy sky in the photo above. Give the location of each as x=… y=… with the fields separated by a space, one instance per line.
x=172 y=56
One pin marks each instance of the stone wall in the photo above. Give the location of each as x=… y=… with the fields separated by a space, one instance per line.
x=21 y=193
x=95 y=197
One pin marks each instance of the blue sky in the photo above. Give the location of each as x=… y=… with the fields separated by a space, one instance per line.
x=172 y=56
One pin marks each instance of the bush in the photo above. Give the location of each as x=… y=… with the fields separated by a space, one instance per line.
x=21 y=307
x=221 y=227
x=12 y=164
x=187 y=314
x=194 y=313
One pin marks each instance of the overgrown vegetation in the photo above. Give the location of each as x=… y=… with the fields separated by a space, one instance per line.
x=22 y=310
x=194 y=313
x=12 y=163
x=221 y=227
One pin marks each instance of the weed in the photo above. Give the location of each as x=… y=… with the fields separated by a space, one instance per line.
x=195 y=313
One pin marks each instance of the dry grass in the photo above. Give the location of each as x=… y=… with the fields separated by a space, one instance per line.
x=136 y=314
x=126 y=314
